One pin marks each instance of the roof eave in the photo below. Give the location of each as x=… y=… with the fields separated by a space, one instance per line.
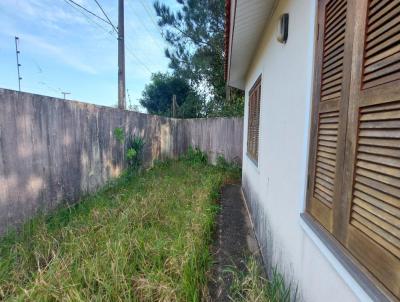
x=245 y=23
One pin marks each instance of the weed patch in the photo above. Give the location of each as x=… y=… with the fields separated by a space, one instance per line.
x=145 y=237
x=252 y=286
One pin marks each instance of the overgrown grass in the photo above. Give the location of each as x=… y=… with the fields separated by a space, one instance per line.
x=144 y=238
x=252 y=286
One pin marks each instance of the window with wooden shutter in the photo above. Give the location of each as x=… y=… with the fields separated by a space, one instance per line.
x=373 y=149
x=254 y=120
x=364 y=199
x=330 y=109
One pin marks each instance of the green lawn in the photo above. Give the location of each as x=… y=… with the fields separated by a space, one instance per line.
x=143 y=238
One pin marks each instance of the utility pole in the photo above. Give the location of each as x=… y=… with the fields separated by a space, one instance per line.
x=65 y=93
x=121 y=56
x=18 y=65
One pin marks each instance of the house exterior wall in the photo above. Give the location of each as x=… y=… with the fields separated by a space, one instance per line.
x=275 y=190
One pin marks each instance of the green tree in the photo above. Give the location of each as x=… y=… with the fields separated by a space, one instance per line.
x=195 y=34
x=157 y=96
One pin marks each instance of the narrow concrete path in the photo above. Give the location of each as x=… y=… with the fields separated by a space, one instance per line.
x=234 y=241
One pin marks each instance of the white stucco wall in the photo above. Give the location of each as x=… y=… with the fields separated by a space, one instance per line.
x=276 y=189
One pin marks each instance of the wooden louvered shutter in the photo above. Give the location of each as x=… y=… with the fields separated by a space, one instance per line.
x=332 y=79
x=371 y=221
x=251 y=124
x=257 y=101
x=254 y=120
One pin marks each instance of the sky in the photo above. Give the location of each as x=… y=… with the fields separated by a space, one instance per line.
x=64 y=50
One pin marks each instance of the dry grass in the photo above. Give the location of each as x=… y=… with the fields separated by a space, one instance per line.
x=253 y=286
x=143 y=238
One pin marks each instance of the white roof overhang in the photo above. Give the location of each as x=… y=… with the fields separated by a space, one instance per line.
x=248 y=19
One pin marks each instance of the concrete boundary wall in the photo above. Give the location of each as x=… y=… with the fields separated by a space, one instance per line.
x=53 y=150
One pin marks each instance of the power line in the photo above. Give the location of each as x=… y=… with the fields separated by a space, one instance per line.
x=151 y=16
x=130 y=51
x=90 y=19
x=104 y=13
x=121 y=43
x=144 y=26
x=90 y=12
x=58 y=90
x=137 y=59
x=148 y=11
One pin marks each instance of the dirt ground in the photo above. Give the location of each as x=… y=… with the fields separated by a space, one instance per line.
x=234 y=241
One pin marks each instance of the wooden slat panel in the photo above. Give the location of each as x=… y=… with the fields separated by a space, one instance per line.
x=371 y=194
x=324 y=172
x=384 y=37
x=378 y=142
x=381 y=107
x=383 y=215
x=336 y=14
x=329 y=152
x=378 y=203
x=326 y=157
x=378 y=168
x=373 y=234
x=326 y=184
x=376 y=6
x=333 y=50
x=382 y=44
x=330 y=104
x=254 y=120
x=379 y=159
x=377 y=185
x=383 y=115
x=376 y=196
x=384 y=28
x=379 y=177
x=384 y=19
x=380 y=12
x=380 y=125
x=382 y=64
x=377 y=150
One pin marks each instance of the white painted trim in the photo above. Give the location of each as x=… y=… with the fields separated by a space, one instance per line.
x=339 y=268
x=310 y=72
x=256 y=167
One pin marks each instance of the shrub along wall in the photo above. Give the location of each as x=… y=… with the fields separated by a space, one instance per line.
x=53 y=150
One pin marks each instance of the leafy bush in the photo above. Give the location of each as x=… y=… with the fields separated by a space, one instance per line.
x=134 y=150
x=119 y=135
x=195 y=155
x=133 y=146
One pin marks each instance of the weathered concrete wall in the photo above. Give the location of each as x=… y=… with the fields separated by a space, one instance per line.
x=53 y=150
x=216 y=136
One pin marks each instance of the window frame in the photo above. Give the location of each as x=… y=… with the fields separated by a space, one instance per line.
x=257 y=85
x=368 y=282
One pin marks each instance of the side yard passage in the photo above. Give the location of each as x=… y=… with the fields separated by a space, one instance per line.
x=140 y=239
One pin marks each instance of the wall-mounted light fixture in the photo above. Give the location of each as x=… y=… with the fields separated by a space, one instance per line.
x=283 y=28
